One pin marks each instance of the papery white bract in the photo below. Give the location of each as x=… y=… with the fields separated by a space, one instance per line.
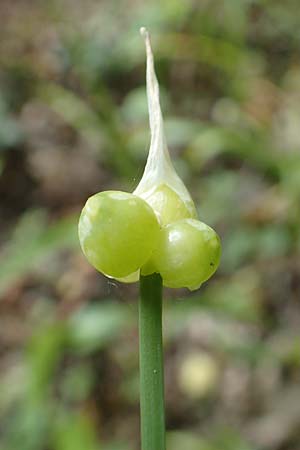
x=160 y=185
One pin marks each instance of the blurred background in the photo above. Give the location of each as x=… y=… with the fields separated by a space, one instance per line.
x=73 y=121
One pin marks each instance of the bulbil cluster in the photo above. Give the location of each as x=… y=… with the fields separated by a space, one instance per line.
x=154 y=229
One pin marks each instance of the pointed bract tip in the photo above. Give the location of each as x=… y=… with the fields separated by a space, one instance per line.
x=144 y=32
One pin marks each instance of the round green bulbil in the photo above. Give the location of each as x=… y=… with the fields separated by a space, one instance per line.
x=117 y=232
x=169 y=206
x=187 y=254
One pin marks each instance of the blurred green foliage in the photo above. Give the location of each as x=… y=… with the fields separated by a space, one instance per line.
x=73 y=121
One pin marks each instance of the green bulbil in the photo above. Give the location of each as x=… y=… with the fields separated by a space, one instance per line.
x=169 y=206
x=117 y=232
x=187 y=254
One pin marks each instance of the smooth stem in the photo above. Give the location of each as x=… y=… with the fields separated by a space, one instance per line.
x=151 y=364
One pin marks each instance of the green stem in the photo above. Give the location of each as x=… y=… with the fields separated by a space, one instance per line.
x=151 y=364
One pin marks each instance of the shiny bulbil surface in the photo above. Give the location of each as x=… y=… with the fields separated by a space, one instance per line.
x=117 y=232
x=169 y=206
x=187 y=254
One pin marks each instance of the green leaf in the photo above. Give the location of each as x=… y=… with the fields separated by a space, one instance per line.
x=44 y=352
x=93 y=326
x=32 y=243
x=75 y=432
